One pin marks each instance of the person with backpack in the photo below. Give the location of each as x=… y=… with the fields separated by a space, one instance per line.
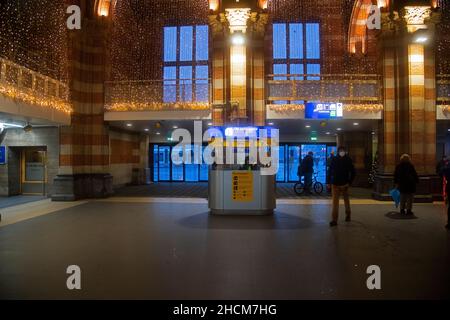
x=406 y=180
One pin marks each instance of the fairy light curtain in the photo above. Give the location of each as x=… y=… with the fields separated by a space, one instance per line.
x=34 y=35
x=137 y=41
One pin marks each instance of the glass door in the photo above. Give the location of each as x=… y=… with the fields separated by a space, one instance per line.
x=34 y=172
x=320 y=159
x=293 y=163
x=164 y=163
x=281 y=174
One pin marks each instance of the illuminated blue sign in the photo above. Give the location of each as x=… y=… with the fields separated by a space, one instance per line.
x=318 y=110
x=2 y=155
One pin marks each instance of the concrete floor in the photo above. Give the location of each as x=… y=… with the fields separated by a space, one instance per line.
x=129 y=249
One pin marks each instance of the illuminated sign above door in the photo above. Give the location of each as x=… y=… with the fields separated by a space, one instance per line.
x=318 y=110
x=2 y=155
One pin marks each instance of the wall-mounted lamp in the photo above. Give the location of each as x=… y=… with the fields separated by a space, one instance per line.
x=238 y=39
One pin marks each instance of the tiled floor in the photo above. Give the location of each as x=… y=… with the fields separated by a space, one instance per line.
x=142 y=248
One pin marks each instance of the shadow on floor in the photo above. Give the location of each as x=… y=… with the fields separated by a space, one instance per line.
x=278 y=221
x=398 y=216
x=200 y=190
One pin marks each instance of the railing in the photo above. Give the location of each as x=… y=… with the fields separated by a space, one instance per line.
x=158 y=95
x=357 y=92
x=22 y=84
x=350 y=87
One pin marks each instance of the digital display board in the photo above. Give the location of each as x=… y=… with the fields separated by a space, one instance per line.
x=2 y=155
x=319 y=110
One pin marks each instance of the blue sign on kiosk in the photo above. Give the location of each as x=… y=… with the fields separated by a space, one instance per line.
x=319 y=110
x=2 y=155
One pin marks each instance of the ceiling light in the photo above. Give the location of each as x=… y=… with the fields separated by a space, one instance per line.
x=328 y=133
x=308 y=126
x=356 y=124
x=129 y=125
x=210 y=124
x=147 y=129
x=175 y=127
x=339 y=129
x=158 y=133
x=270 y=123
x=421 y=39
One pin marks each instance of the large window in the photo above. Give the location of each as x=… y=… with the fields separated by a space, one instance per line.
x=186 y=55
x=296 y=51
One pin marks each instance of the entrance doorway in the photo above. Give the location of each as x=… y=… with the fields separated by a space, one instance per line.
x=291 y=156
x=164 y=170
x=33 y=171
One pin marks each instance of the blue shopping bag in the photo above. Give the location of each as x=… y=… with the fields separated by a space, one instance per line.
x=395 y=194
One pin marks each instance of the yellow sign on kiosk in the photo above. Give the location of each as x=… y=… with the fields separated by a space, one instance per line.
x=242 y=186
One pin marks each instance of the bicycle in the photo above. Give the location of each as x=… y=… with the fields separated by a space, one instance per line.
x=299 y=187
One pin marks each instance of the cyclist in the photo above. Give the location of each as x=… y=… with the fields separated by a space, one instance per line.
x=307 y=170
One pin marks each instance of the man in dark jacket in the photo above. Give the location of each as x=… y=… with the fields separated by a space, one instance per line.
x=342 y=174
x=307 y=169
x=406 y=180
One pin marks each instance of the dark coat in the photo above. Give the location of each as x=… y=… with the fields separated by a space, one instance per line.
x=342 y=171
x=307 y=165
x=406 y=177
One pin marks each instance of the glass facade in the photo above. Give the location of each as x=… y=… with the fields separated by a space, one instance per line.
x=292 y=155
x=164 y=170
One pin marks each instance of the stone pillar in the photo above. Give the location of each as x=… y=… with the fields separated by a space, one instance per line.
x=238 y=68
x=84 y=145
x=409 y=123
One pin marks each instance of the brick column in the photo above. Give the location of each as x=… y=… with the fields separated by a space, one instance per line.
x=84 y=146
x=409 y=122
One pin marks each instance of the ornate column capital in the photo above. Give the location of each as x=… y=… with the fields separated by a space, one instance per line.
x=416 y=17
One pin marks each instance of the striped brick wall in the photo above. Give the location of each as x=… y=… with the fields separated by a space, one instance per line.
x=416 y=68
x=388 y=130
x=219 y=83
x=430 y=111
x=409 y=122
x=84 y=145
x=258 y=81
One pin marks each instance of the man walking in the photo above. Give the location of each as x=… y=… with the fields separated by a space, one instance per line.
x=342 y=174
x=307 y=169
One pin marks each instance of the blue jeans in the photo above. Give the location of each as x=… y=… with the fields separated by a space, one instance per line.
x=308 y=181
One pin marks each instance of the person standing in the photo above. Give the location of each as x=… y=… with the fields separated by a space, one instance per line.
x=406 y=180
x=342 y=175
x=307 y=169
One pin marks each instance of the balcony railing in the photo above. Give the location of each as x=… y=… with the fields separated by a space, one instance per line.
x=158 y=95
x=357 y=92
x=28 y=86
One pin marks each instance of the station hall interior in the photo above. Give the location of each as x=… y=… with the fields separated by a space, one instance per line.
x=93 y=92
